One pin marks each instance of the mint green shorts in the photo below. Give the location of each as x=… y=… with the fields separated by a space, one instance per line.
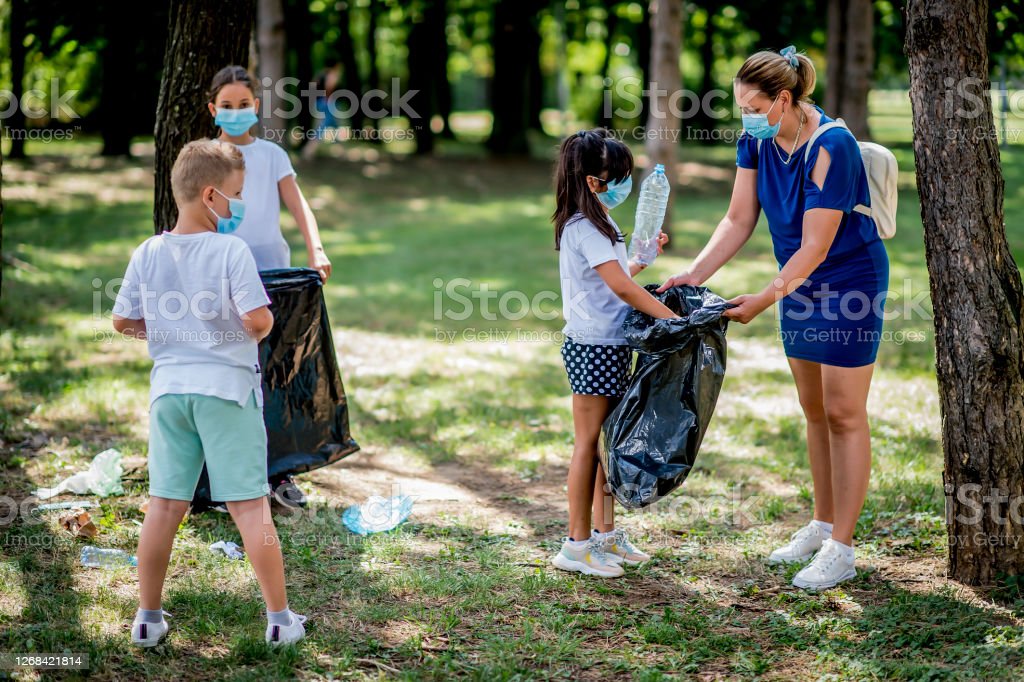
x=188 y=429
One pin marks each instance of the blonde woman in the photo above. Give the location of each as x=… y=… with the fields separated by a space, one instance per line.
x=831 y=288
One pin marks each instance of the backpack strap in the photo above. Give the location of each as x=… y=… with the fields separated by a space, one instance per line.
x=838 y=123
x=824 y=127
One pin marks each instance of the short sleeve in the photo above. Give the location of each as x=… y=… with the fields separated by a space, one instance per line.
x=746 y=152
x=247 y=292
x=839 y=190
x=595 y=247
x=282 y=164
x=128 y=304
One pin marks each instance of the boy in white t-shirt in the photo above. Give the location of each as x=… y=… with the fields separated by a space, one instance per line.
x=197 y=299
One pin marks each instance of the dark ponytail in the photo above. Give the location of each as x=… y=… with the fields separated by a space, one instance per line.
x=588 y=152
x=227 y=76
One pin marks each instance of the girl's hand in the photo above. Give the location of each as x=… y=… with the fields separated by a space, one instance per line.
x=662 y=240
x=319 y=262
x=748 y=306
x=683 y=278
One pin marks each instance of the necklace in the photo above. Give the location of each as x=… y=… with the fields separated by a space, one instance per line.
x=796 y=142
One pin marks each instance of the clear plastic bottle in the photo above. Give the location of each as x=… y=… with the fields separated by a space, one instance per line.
x=100 y=557
x=650 y=214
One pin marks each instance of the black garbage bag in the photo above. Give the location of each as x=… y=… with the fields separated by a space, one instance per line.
x=304 y=405
x=652 y=436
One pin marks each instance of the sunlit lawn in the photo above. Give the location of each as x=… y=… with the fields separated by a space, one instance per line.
x=471 y=414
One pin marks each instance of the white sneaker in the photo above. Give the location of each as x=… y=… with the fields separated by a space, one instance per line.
x=149 y=634
x=617 y=545
x=832 y=566
x=801 y=546
x=278 y=635
x=591 y=559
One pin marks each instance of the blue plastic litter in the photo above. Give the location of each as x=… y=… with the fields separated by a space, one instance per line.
x=377 y=514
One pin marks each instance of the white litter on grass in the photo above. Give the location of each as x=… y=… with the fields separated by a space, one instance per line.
x=102 y=478
x=229 y=549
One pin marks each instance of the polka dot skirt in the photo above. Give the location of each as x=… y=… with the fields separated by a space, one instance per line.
x=597 y=370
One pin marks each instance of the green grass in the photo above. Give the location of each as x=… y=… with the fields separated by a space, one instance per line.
x=476 y=424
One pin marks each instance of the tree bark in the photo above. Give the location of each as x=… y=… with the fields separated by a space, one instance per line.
x=16 y=122
x=270 y=45
x=663 y=124
x=203 y=37
x=373 y=74
x=850 y=64
x=703 y=119
x=976 y=289
x=516 y=41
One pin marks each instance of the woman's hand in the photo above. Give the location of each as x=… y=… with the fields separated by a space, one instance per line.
x=662 y=240
x=748 y=306
x=683 y=278
x=318 y=261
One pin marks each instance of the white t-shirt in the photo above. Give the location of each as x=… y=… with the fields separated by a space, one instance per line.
x=266 y=164
x=191 y=290
x=593 y=313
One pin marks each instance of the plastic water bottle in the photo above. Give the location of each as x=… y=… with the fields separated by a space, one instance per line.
x=650 y=214
x=99 y=557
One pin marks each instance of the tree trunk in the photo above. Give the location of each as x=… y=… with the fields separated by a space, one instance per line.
x=270 y=46
x=663 y=124
x=850 y=64
x=703 y=119
x=420 y=72
x=976 y=289
x=351 y=79
x=203 y=37
x=299 y=41
x=604 y=116
x=516 y=41
x=118 y=59
x=643 y=57
x=16 y=122
x=373 y=74
x=441 y=53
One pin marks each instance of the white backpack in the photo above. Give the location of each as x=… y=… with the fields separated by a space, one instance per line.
x=880 y=167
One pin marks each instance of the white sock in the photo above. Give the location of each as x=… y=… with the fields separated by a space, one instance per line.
x=847 y=549
x=824 y=525
x=576 y=544
x=599 y=535
x=283 y=617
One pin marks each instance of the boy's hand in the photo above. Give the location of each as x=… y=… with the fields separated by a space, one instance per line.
x=258 y=322
x=136 y=329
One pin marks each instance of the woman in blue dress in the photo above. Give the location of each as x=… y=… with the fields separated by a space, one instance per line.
x=831 y=288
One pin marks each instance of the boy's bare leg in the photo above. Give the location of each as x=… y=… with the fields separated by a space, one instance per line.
x=155 y=542
x=264 y=549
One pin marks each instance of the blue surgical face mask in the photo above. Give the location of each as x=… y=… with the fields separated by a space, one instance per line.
x=617 y=192
x=236 y=122
x=757 y=126
x=237 y=209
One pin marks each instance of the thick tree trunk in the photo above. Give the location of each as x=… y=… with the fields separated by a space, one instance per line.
x=976 y=289
x=16 y=122
x=270 y=46
x=850 y=64
x=663 y=124
x=516 y=41
x=441 y=52
x=643 y=57
x=203 y=37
